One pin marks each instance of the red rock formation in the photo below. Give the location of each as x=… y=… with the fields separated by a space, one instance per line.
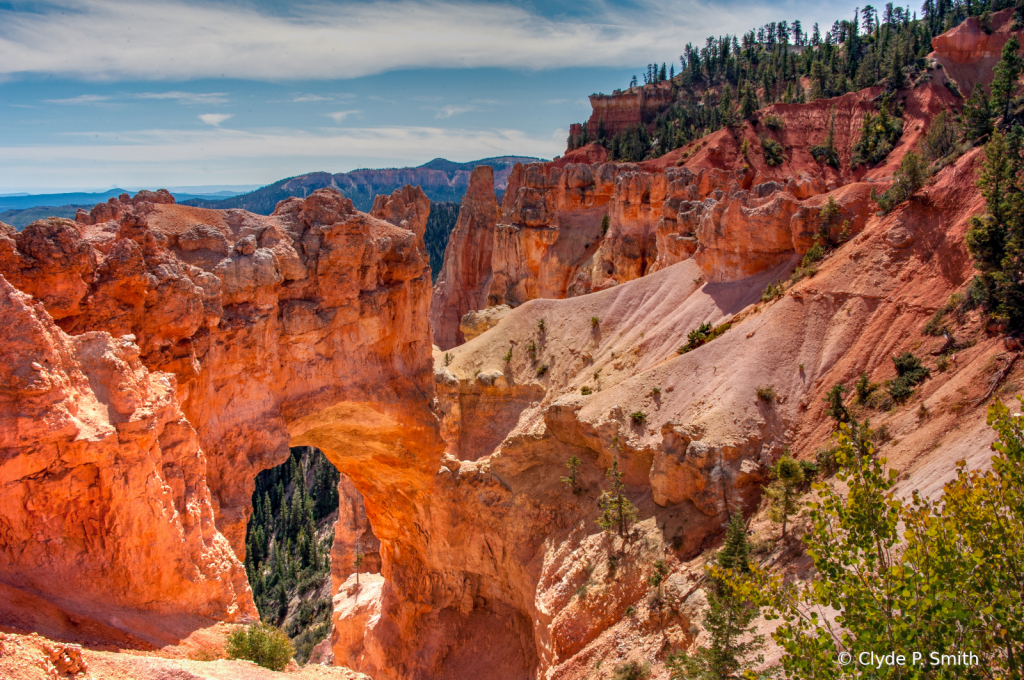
x=624 y=109
x=466 y=277
x=103 y=488
x=967 y=53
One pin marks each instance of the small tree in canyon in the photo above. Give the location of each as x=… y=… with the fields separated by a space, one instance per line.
x=783 y=492
x=572 y=480
x=617 y=511
x=728 y=619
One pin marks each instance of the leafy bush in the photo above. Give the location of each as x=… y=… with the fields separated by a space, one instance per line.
x=585 y=390
x=878 y=135
x=595 y=321
x=508 y=356
x=638 y=417
x=766 y=393
x=908 y=179
x=773 y=291
x=631 y=670
x=773 y=121
x=542 y=369
x=265 y=645
x=941 y=139
x=909 y=374
x=864 y=388
x=773 y=152
x=702 y=335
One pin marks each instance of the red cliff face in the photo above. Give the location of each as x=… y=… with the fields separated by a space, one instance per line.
x=968 y=53
x=466 y=277
x=624 y=109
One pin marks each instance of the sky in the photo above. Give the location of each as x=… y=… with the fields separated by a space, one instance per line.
x=102 y=93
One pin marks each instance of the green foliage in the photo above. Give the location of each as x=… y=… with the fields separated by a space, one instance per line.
x=995 y=240
x=448 y=358
x=440 y=223
x=1005 y=75
x=826 y=151
x=657 y=579
x=773 y=121
x=285 y=558
x=572 y=480
x=773 y=291
x=638 y=417
x=531 y=349
x=878 y=135
x=773 y=152
x=541 y=326
x=940 y=575
x=864 y=387
x=267 y=646
x=728 y=619
x=908 y=179
x=787 y=475
x=595 y=322
x=585 y=390
x=605 y=223
x=909 y=374
x=617 y=511
x=976 y=115
x=835 y=407
x=735 y=552
x=941 y=139
x=766 y=393
x=631 y=670
x=935 y=326
x=507 y=356
x=542 y=369
x=702 y=335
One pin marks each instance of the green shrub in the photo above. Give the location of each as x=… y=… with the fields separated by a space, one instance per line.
x=638 y=417
x=702 y=335
x=878 y=135
x=826 y=152
x=541 y=326
x=265 y=645
x=448 y=358
x=631 y=670
x=595 y=322
x=542 y=369
x=935 y=327
x=941 y=139
x=585 y=390
x=864 y=388
x=766 y=393
x=773 y=291
x=773 y=152
x=909 y=374
x=773 y=121
x=908 y=179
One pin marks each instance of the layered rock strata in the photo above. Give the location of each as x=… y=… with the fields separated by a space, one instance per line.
x=466 y=277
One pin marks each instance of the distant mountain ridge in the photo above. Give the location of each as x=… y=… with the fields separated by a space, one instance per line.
x=440 y=179
x=24 y=201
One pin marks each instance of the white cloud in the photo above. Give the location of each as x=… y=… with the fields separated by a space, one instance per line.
x=81 y=99
x=208 y=146
x=214 y=119
x=174 y=39
x=339 y=116
x=452 y=110
x=187 y=97
x=303 y=98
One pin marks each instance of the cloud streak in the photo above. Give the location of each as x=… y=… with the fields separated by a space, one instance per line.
x=214 y=119
x=319 y=40
x=340 y=116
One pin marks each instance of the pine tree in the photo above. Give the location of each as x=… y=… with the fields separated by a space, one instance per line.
x=976 y=115
x=783 y=492
x=617 y=511
x=1005 y=76
x=572 y=481
x=728 y=618
x=736 y=550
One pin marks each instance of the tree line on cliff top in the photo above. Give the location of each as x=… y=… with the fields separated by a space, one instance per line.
x=731 y=77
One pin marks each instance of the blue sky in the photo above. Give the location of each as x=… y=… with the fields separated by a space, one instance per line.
x=103 y=93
